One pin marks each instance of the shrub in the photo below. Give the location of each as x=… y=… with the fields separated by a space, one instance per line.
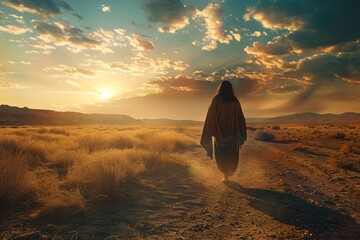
x=59 y=131
x=170 y=141
x=123 y=141
x=53 y=197
x=104 y=172
x=251 y=128
x=13 y=174
x=339 y=135
x=266 y=136
x=34 y=151
x=275 y=127
x=92 y=143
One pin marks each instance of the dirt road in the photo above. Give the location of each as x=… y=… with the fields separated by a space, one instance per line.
x=273 y=195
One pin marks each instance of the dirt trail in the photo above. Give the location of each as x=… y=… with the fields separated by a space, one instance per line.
x=273 y=195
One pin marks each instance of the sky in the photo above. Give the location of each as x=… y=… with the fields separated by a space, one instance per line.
x=166 y=58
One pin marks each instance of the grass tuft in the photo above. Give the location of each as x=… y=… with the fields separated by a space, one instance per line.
x=265 y=136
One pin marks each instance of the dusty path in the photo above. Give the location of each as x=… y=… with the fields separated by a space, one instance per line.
x=273 y=195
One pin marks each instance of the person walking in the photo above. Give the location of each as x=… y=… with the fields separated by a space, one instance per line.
x=225 y=122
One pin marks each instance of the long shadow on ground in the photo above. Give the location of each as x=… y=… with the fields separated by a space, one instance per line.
x=322 y=222
x=156 y=205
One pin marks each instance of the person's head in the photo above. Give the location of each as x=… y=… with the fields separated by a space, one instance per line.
x=226 y=91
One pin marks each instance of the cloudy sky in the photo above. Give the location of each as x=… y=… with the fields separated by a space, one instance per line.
x=165 y=58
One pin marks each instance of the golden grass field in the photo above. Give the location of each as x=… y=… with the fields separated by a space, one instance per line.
x=64 y=168
x=62 y=171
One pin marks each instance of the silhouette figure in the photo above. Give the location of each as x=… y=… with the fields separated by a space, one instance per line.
x=225 y=121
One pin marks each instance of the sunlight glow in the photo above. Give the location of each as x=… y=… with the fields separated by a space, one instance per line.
x=106 y=93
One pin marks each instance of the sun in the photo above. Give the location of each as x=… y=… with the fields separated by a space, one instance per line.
x=106 y=93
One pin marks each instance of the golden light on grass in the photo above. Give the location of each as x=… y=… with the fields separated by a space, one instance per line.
x=91 y=163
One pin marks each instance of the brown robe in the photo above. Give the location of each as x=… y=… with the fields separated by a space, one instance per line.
x=225 y=122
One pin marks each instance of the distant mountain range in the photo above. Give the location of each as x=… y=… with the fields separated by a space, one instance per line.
x=311 y=117
x=25 y=116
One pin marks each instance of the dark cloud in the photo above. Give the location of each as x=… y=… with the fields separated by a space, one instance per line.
x=77 y=16
x=51 y=30
x=61 y=33
x=45 y=8
x=243 y=85
x=138 y=41
x=312 y=24
x=328 y=76
x=169 y=15
x=280 y=46
x=329 y=68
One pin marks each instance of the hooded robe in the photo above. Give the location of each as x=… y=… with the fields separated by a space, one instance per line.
x=226 y=122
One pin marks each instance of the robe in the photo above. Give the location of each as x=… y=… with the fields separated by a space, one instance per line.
x=226 y=123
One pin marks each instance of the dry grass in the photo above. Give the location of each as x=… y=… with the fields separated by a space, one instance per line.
x=105 y=172
x=64 y=169
x=336 y=146
x=13 y=174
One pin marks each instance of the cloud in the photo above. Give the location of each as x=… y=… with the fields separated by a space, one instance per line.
x=77 y=16
x=286 y=88
x=328 y=76
x=311 y=24
x=62 y=34
x=109 y=38
x=212 y=17
x=169 y=15
x=179 y=91
x=14 y=29
x=46 y=9
x=243 y=82
x=275 y=48
x=330 y=68
x=8 y=85
x=19 y=19
x=5 y=72
x=256 y=34
x=139 y=43
x=141 y=64
x=105 y=8
x=65 y=71
x=167 y=92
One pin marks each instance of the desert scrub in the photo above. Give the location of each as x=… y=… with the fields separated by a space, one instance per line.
x=34 y=150
x=55 y=197
x=61 y=171
x=338 y=135
x=122 y=141
x=265 y=136
x=275 y=128
x=92 y=143
x=104 y=173
x=167 y=141
x=13 y=175
x=250 y=128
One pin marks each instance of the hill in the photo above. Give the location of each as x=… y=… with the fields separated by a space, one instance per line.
x=10 y=115
x=165 y=121
x=311 y=117
x=25 y=116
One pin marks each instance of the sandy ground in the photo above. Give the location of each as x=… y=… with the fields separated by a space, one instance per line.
x=277 y=193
